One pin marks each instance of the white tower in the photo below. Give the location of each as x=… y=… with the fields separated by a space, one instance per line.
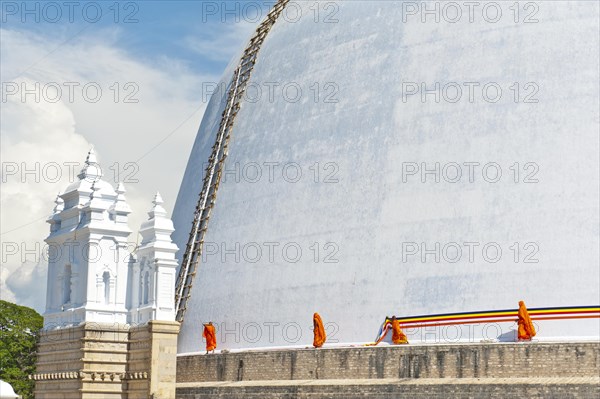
x=88 y=255
x=154 y=274
x=92 y=276
x=106 y=313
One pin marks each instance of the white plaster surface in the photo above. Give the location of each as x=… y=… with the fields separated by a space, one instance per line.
x=369 y=134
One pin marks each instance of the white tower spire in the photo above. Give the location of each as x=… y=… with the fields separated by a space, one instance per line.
x=156 y=268
x=91 y=169
x=88 y=272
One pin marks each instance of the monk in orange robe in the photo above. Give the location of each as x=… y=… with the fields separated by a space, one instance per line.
x=526 y=329
x=398 y=337
x=211 y=337
x=319 y=331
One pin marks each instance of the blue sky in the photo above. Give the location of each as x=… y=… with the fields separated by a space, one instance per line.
x=159 y=54
x=147 y=29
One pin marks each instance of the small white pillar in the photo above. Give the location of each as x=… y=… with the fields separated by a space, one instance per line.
x=156 y=268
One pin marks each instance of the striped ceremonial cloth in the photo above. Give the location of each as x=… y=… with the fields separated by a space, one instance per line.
x=489 y=316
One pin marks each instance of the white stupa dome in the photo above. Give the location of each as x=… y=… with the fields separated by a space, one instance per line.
x=445 y=167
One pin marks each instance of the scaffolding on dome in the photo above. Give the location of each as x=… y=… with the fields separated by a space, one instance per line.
x=212 y=177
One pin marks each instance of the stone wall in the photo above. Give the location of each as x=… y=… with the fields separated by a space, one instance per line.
x=153 y=351
x=474 y=371
x=465 y=388
x=101 y=361
x=88 y=361
x=498 y=360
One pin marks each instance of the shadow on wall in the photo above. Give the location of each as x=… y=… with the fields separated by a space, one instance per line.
x=510 y=336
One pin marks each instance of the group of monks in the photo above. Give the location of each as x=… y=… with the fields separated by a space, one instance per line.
x=210 y=335
x=526 y=330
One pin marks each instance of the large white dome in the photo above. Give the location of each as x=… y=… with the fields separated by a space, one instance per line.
x=516 y=98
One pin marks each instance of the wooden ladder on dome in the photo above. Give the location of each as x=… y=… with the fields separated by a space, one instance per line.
x=216 y=161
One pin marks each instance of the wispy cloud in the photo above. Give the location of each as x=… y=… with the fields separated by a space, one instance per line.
x=219 y=41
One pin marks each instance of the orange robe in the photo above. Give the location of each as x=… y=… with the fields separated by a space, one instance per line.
x=319 y=331
x=211 y=337
x=526 y=329
x=398 y=337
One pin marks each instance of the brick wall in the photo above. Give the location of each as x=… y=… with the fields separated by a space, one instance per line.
x=497 y=360
x=103 y=361
x=397 y=391
x=85 y=360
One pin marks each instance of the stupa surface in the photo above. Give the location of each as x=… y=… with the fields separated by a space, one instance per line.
x=384 y=165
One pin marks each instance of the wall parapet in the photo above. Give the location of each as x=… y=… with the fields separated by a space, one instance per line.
x=488 y=360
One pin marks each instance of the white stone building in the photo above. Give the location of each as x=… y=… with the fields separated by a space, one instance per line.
x=94 y=272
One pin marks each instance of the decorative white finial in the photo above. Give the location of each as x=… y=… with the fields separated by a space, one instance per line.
x=54 y=219
x=91 y=157
x=120 y=209
x=94 y=190
x=60 y=204
x=91 y=170
x=157 y=209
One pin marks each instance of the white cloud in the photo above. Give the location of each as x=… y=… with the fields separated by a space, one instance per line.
x=216 y=43
x=37 y=139
x=47 y=134
x=28 y=283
